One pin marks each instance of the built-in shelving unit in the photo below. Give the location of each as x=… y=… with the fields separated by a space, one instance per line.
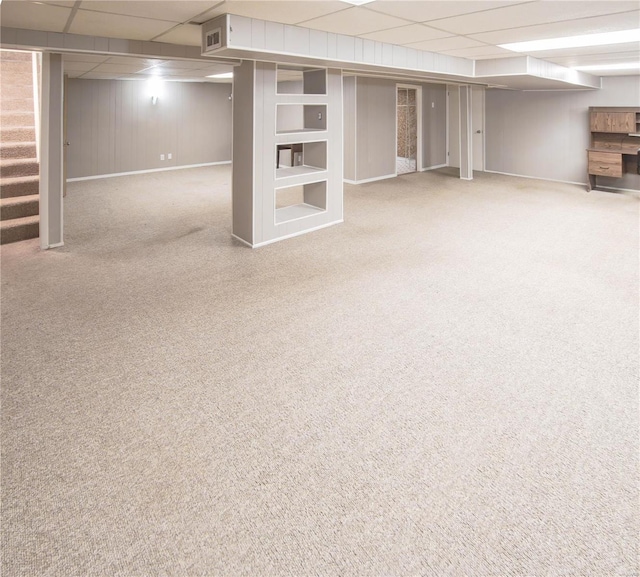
x=615 y=142
x=295 y=139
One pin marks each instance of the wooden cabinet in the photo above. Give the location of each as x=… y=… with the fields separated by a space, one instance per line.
x=624 y=122
x=605 y=163
x=615 y=142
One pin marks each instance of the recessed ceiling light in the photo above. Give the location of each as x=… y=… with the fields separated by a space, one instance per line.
x=222 y=75
x=357 y=2
x=618 y=66
x=601 y=39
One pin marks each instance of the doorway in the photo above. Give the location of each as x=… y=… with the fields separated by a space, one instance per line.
x=407 y=133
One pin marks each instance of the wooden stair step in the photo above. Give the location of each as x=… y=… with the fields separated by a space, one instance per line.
x=19 y=206
x=19 y=229
x=19 y=186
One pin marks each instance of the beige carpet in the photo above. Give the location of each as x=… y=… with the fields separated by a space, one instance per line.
x=445 y=384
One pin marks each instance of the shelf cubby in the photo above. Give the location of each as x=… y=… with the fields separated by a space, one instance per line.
x=301 y=80
x=294 y=202
x=298 y=118
x=306 y=158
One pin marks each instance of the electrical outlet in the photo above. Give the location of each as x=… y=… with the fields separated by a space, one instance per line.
x=319 y=115
x=433 y=105
x=169 y=156
x=162 y=157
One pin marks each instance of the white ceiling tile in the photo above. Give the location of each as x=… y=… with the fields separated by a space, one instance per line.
x=184 y=64
x=586 y=50
x=450 y=43
x=83 y=57
x=33 y=16
x=354 y=21
x=600 y=58
x=119 y=68
x=425 y=11
x=595 y=25
x=286 y=12
x=78 y=67
x=141 y=62
x=406 y=34
x=100 y=76
x=184 y=34
x=116 y=26
x=530 y=14
x=176 y=12
x=481 y=52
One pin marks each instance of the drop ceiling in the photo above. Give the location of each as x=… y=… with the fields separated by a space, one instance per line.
x=467 y=29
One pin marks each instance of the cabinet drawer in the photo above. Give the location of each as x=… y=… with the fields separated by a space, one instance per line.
x=605 y=163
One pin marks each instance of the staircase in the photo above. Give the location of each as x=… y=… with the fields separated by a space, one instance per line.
x=19 y=170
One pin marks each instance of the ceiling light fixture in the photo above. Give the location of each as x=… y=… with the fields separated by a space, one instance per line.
x=222 y=75
x=357 y=2
x=601 y=39
x=617 y=66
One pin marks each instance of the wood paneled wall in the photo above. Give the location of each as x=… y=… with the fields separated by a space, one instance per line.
x=545 y=134
x=376 y=128
x=113 y=126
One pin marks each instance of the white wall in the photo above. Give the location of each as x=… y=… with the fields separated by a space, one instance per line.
x=545 y=134
x=113 y=126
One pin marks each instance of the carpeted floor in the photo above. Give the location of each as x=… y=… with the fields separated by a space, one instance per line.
x=444 y=385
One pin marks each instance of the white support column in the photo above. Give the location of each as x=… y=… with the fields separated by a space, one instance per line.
x=51 y=152
x=466 y=134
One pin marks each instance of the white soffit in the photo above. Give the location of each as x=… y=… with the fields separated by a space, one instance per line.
x=247 y=38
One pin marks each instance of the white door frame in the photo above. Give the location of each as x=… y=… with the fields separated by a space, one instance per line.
x=418 y=90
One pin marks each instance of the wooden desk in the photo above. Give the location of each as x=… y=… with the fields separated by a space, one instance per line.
x=615 y=143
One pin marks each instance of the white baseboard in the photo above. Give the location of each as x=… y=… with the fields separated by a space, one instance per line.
x=266 y=242
x=246 y=243
x=434 y=167
x=146 y=171
x=633 y=190
x=536 y=177
x=385 y=177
